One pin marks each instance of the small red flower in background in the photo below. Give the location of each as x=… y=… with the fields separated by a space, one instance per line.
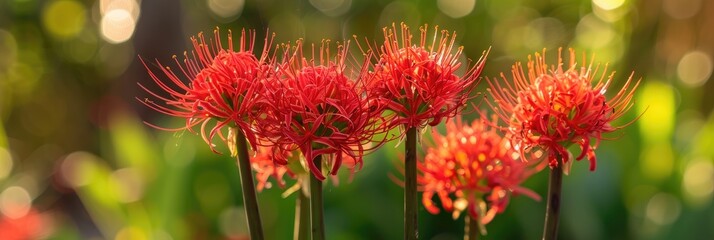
x=313 y=105
x=418 y=82
x=32 y=225
x=471 y=162
x=265 y=167
x=555 y=106
x=222 y=85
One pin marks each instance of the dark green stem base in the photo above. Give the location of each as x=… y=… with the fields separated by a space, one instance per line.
x=250 y=201
x=552 y=209
x=316 y=216
x=411 y=231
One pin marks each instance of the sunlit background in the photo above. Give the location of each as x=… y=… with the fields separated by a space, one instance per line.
x=77 y=162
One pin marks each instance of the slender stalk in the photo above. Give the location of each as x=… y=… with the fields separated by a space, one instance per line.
x=302 y=216
x=249 y=197
x=552 y=209
x=316 y=214
x=411 y=231
x=470 y=228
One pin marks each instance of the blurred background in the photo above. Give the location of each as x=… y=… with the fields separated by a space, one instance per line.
x=77 y=162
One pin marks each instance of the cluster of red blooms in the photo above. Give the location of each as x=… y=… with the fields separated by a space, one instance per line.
x=282 y=104
x=320 y=105
x=316 y=104
x=470 y=162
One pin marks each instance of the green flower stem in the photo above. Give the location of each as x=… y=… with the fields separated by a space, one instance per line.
x=250 y=201
x=316 y=214
x=302 y=216
x=411 y=231
x=471 y=228
x=552 y=209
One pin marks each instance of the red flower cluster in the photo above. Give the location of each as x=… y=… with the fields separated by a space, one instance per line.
x=223 y=85
x=308 y=104
x=312 y=104
x=470 y=162
x=553 y=107
x=418 y=82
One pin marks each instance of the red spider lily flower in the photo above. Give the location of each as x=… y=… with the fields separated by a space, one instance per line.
x=313 y=105
x=472 y=162
x=418 y=83
x=553 y=107
x=222 y=85
x=265 y=168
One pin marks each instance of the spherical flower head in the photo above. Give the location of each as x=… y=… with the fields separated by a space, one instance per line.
x=418 y=83
x=221 y=88
x=313 y=105
x=553 y=107
x=476 y=166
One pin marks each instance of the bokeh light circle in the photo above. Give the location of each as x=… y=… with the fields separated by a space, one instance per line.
x=129 y=184
x=681 y=9
x=456 y=8
x=232 y=222
x=226 y=9
x=609 y=4
x=117 y=26
x=698 y=180
x=695 y=68
x=663 y=209
x=332 y=8
x=15 y=202
x=64 y=19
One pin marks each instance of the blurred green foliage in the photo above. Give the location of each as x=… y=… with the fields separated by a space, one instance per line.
x=73 y=146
